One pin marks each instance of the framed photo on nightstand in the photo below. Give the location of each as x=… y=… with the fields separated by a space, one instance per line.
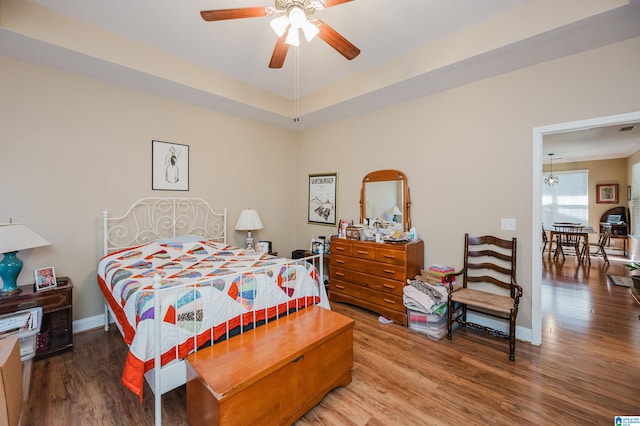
x=45 y=278
x=263 y=246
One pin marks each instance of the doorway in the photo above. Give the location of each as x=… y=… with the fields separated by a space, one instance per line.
x=536 y=260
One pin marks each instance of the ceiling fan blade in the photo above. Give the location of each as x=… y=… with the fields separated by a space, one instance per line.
x=338 y=42
x=223 y=14
x=279 y=52
x=330 y=3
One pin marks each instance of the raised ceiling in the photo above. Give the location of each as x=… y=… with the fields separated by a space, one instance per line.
x=598 y=143
x=410 y=49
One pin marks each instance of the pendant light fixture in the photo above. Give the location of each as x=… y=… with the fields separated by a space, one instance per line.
x=551 y=179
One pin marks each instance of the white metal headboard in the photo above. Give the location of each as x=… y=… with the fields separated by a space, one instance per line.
x=151 y=219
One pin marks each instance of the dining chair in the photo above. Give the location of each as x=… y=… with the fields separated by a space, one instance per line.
x=600 y=246
x=568 y=237
x=545 y=240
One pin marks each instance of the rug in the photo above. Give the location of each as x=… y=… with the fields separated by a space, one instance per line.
x=620 y=280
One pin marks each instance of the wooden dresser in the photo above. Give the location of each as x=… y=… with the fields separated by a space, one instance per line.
x=372 y=275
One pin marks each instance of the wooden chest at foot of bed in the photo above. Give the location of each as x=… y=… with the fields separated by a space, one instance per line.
x=273 y=374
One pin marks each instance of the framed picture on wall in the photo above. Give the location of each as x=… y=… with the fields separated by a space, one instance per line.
x=322 y=199
x=169 y=166
x=607 y=193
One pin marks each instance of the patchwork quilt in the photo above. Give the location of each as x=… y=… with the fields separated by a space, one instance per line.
x=208 y=290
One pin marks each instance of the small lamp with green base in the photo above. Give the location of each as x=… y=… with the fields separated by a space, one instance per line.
x=13 y=238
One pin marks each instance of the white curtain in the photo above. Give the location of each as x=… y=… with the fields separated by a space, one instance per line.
x=567 y=200
x=635 y=201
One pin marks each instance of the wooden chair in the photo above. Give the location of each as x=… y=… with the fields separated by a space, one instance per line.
x=603 y=241
x=546 y=241
x=488 y=262
x=564 y=241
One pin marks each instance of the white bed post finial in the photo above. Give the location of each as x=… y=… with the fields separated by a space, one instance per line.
x=157 y=281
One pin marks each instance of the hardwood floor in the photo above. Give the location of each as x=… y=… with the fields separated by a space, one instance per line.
x=586 y=372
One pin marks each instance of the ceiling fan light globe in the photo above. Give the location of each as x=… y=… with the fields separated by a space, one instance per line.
x=293 y=38
x=317 y=4
x=297 y=17
x=280 y=24
x=309 y=30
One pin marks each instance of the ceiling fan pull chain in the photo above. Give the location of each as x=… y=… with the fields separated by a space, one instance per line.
x=296 y=90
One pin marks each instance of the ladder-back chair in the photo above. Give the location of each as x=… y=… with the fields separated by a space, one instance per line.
x=488 y=286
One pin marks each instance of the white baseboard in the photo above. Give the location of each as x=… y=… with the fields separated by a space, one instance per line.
x=96 y=321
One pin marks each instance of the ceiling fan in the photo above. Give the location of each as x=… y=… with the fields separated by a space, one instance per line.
x=291 y=16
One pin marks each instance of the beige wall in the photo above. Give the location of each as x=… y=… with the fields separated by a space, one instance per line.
x=72 y=147
x=467 y=152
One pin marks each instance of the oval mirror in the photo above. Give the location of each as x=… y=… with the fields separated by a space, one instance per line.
x=385 y=196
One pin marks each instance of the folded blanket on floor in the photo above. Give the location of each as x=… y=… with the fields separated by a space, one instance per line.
x=423 y=297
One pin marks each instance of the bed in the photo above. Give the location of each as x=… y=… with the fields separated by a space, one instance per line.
x=170 y=255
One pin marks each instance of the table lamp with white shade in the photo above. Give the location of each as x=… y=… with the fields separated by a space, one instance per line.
x=249 y=220
x=396 y=212
x=13 y=238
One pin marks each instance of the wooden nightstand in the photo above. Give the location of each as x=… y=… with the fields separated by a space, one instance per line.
x=57 y=313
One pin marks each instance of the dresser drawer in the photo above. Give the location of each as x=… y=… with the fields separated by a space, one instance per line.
x=48 y=300
x=385 y=270
x=365 y=280
x=342 y=247
x=388 y=301
x=363 y=251
x=388 y=254
x=53 y=301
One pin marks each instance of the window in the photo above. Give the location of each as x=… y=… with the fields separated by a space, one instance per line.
x=568 y=200
x=635 y=200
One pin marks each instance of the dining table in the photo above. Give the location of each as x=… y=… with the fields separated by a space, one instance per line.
x=565 y=235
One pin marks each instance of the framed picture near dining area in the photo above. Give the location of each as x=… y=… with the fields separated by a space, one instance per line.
x=607 y=193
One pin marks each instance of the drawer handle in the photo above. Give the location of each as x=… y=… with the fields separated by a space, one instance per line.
x=339 y=248
x=339 y=261
x=300 y=358
x=339 y=286
x=388 y=271
x=390 y=301
x=392 y=287
x=27 y=305
x=362 y=252
x=388 y=256
x=340 y=274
